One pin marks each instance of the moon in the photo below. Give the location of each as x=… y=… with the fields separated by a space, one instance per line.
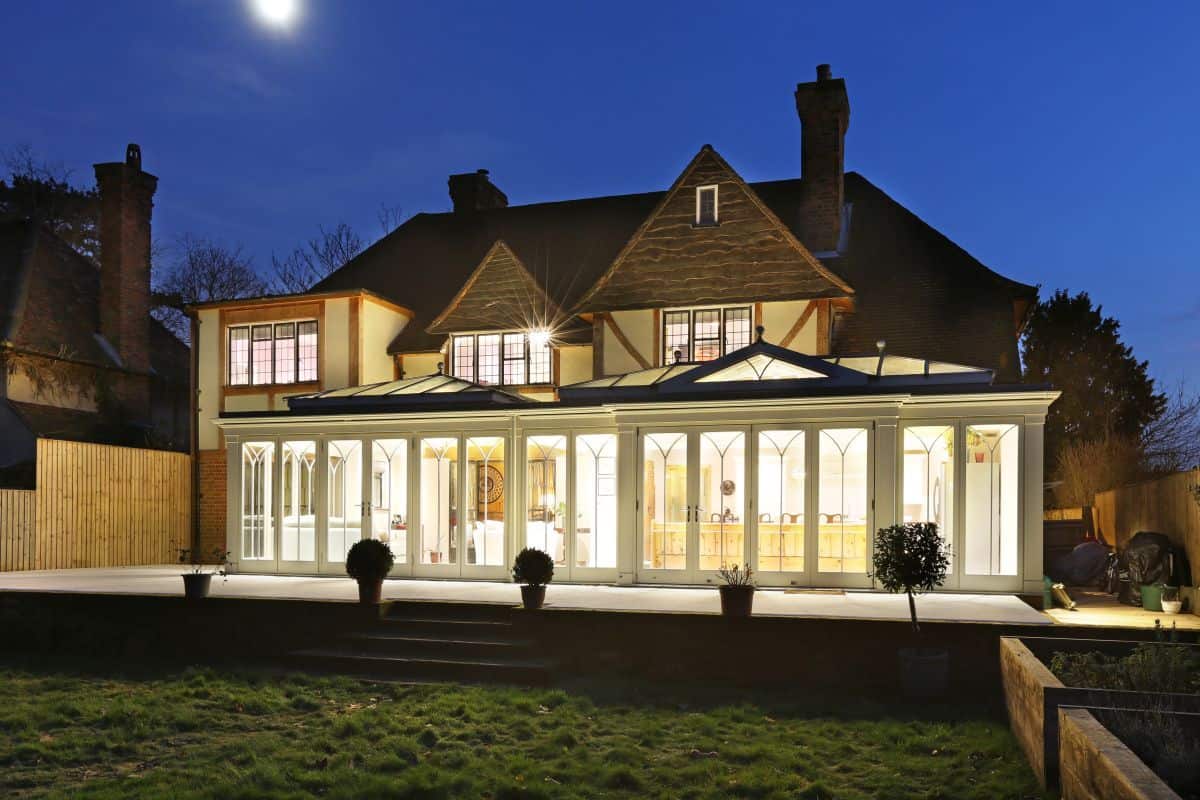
x=277 y=13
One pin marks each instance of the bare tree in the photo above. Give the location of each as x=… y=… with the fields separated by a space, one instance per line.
x=389 y=218
x=1086 y=468
x=1171 y=442
x=320 y=256
x=199 y=270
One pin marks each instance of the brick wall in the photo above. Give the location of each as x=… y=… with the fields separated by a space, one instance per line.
x=211 y=469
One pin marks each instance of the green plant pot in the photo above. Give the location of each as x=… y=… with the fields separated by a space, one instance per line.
x=1151 y=597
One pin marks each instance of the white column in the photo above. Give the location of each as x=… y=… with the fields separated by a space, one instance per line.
x=886 y=459
x=1032 y=568
x=233 y=499
x=627 y=510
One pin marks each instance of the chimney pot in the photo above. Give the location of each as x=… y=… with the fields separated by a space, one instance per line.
x=824 y=72
x=133 y=156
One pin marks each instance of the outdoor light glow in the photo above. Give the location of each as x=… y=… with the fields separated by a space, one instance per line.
x=539 y=338
x=278 y=13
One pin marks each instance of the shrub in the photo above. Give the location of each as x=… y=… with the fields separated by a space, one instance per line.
x=1149 y=668
x=1162 y=742
x=534 y=567
x=734 y=575
x=910 y=558
x=369 y=560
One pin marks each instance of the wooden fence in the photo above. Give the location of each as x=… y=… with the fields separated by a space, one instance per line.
x=97 y=506
x=1164 y=505
x=17 y=510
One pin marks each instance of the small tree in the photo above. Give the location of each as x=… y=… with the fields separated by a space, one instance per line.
x=910 y=558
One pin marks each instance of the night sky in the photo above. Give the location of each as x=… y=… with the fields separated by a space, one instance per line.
x=1056 y=144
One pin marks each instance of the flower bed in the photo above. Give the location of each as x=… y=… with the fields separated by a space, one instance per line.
x=1033 y=693
x=1119 y=754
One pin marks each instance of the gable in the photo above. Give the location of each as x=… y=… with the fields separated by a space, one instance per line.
x=749 y=255
x=499 y=295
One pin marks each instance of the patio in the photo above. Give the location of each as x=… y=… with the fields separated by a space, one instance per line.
x=813 y=604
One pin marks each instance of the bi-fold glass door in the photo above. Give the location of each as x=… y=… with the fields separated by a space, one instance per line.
x=367 y=487
x=571 y=503
x=693 y=504
x=463 y=504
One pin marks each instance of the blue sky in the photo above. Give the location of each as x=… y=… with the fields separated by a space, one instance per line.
x=1056 y=142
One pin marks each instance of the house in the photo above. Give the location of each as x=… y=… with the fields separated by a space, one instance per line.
x=81 y=357
x=645 y=386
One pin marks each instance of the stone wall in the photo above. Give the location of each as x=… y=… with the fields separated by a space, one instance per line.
x=1094 y=763
x=1025 y=679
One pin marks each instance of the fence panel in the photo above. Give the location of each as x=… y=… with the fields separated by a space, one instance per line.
x=103 y=506
x=18 y=509
x=1164 y=505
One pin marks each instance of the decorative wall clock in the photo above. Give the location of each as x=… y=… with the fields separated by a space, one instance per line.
x=491 y=484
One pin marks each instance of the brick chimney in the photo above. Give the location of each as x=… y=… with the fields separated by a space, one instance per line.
x=126 y=202
x=824 y=111
x=473 y=191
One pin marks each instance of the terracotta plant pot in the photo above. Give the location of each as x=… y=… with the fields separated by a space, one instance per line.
x=924 y=671
x=737 y=601
x=370 y=592
x=533 y=597
x=196 y=585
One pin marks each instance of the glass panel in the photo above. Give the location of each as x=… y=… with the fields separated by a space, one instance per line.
x=781 y=473
x=706 y=205
x=260 y=354
x=760 y=367
x=540 y=370
x=489 y=358
x=514 y=359
x=239 y=356
x=842 y=501
x=389 y=495
x=991 y=500
x=464 y=357
x=486 y=493
x=596 y=500
x=299 y=539
x=439 y=501
x=285 y=352
x=307 y=348
x=708 y=335
x=737 y=328
x=345 y=498
x=721 y=505
x=928 y=493
x=546 y=495
x=676 y=335
x=664 y=500
x=258 y=525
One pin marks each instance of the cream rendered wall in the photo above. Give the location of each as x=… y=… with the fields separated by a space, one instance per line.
x=21 y=389
x=248 y=402
x=418 y=364
x=335 y=343
x=574 y=364
x=638 y=327
x=379 y=326
x=778 y=319
x=208 y=340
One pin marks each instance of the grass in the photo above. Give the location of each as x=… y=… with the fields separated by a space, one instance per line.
x=195 y=732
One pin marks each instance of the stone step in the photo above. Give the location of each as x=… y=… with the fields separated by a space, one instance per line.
x=452 y=645
x=526 y=672
x=480 y=612
x=444 y=628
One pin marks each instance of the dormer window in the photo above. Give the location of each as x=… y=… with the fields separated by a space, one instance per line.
x=693 y=335
x=706 y=205
x=516 y=358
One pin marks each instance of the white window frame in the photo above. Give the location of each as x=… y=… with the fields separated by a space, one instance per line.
x=716 y=220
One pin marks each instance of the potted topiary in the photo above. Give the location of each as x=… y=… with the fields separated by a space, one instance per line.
x=737 y=590
x=534 y=569
x=197 y=582
x=368 y=562
x=913 y=558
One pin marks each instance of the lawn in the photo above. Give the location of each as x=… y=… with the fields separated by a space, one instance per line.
x=196 y=732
